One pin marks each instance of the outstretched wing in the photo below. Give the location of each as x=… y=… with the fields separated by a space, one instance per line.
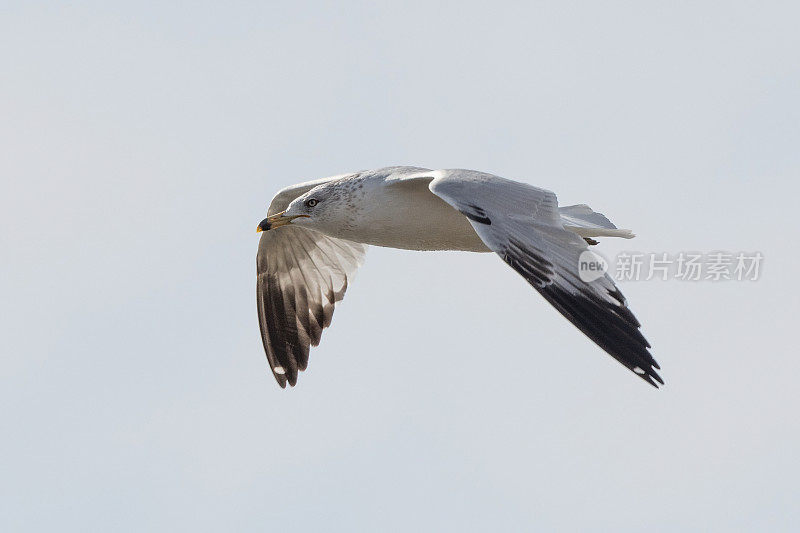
x=301 y=274
x=522 y=224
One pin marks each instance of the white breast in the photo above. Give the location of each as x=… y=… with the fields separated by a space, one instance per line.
x=406 y=214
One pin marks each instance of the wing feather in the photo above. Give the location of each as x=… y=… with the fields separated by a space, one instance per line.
x=522 y=224
x=301 y=275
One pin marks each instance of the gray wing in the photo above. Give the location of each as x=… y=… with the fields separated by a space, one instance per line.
x=301 y=275
x=522 y=224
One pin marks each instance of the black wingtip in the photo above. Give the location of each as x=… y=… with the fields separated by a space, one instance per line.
x=649 y=375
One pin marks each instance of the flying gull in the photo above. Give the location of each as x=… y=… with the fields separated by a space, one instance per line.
x=316 y=234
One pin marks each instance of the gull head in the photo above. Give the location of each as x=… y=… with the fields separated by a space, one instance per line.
x=324 y=208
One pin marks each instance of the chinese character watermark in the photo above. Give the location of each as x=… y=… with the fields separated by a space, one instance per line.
x=717 y=266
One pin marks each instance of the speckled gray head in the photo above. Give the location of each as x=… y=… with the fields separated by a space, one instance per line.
x=328 y=207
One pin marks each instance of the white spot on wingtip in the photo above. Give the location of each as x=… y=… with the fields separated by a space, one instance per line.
x=279 y=370
x=638 y=370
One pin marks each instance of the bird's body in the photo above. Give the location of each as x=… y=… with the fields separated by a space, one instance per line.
x=304 y=266
x=423 y=221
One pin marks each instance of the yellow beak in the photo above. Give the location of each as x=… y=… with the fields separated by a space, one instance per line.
x=276 y=221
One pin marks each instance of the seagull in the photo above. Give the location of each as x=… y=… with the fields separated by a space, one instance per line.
x=316 y=234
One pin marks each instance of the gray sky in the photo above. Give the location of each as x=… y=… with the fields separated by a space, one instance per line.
x=141 y=145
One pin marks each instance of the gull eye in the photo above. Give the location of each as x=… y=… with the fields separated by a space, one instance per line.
x=311 y=202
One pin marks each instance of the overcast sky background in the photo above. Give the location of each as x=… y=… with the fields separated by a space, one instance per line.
x=141 y=145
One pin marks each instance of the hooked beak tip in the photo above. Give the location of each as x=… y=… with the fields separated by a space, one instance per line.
x=266 y=224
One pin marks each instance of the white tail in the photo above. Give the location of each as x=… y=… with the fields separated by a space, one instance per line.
x=587 y=223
